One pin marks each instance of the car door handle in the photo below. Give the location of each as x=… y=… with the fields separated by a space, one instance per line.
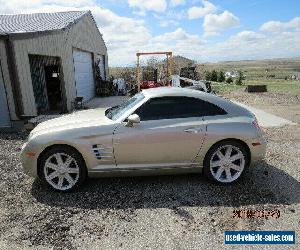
x=192 y=130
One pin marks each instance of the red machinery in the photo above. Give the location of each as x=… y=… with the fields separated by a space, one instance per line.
x=151 y=83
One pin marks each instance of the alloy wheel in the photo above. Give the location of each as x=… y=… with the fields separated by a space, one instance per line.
x=61 y=171
x=227 y=163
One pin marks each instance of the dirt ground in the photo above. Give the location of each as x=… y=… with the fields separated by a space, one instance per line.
x=161 y=212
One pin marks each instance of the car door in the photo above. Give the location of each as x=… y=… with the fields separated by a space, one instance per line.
x=170 y=134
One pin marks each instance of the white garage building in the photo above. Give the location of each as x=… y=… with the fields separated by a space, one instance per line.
x=46 y=61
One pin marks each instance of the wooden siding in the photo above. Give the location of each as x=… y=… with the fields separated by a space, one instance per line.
x=7 y=82
x=83 y=35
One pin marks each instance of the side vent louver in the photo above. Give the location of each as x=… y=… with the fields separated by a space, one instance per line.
x=102 y=153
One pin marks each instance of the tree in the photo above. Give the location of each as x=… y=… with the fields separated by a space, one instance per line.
x=229 y=80
x=207 y=76
x=221 y=76
x=240 y=78
x=152 y=62
x=214 y=76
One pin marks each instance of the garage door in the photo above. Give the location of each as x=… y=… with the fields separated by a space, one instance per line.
x=84 y=74
x=4 y=113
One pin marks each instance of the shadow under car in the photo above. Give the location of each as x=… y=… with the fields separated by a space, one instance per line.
x=263 y=184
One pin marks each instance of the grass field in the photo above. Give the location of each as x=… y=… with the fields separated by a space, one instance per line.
x=271 y=72
x=278 y=86
x=223 y=88
x=257 y=69
x=273 y=86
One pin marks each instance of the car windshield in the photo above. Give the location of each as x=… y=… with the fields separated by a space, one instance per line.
x=116 y=112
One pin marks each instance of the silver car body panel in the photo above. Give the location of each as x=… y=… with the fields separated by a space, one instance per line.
x=162 y=146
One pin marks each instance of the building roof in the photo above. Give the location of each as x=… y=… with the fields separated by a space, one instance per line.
x=38 y=22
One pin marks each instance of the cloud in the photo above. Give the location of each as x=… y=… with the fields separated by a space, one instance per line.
x=254 y=45
x=148 y=5
x=175 y=3
x=167 y=23
x=16 y=6
x=178 y=36
x=215 y=23
x=170 y=18
x=276 y=26
x=246 y=44
x=247 y=36
x=179 y=41
x=199 y=12
x=124 y=36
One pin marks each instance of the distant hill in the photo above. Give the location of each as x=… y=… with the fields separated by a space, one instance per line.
x=278 y=68
x=264 y=60
x=181 y=60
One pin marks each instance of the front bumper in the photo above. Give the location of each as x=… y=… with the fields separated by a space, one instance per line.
x=29 y=163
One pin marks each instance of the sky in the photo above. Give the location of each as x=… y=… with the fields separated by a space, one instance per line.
x=205 y=31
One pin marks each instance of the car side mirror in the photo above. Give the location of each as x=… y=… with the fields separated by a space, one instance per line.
x=133 y=119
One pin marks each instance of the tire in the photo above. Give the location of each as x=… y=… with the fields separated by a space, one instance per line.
x=231 y=167
x=62 y=168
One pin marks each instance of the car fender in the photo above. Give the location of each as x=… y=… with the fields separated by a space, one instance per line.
x=218 y=129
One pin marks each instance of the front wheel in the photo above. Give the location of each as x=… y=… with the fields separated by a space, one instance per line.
x=62 y=168
x=225 y=162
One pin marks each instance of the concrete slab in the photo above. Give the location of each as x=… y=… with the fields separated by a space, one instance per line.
x=267 y=120
x=105 y=102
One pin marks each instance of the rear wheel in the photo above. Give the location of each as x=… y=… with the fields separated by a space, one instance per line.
x=62 y=168
x=226 y=161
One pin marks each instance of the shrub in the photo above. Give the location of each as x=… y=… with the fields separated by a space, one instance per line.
x=207 y=75
x=229 y=80
x=221 y=76
x=214 y=76
x=240 y=78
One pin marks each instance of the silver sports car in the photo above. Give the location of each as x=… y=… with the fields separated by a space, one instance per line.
x=158 y=131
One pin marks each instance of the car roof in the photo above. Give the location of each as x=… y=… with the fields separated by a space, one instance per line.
x=176 y=91
x=227 y=105
x=167 y=91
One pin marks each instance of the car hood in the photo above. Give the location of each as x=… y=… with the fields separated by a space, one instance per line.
x=79 y=119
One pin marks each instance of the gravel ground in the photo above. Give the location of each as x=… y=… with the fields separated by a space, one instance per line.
x=283 y=105
x=162 y=212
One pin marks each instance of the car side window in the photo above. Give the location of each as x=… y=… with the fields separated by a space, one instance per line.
x=176 y=107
